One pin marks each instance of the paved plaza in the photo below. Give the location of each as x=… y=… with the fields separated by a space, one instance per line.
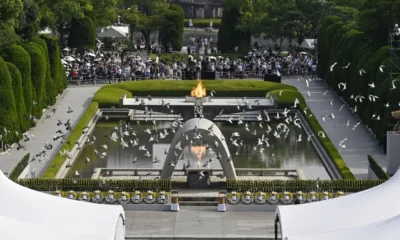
x=199 y=222
x=360 y=142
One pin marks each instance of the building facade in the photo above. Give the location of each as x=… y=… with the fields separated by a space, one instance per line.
x=201 y=8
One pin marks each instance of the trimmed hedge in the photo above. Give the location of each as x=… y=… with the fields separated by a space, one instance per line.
x=16 y=79
x=22 y=164
x=172 y=30
x=90 y=185
x=301 y=185
x=109 y=97
x=76 y=133
x=379 y=172
x=204 y=23
x=229 y=37
x=56 y=69
x=82 y=34
x=286 y=100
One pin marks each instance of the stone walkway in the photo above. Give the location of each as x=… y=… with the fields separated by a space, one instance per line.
x=199 y=222
x=360 y=142
x=79 y=99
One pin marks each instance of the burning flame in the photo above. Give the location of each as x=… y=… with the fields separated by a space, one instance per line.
x=199 y=151
x=199 y=91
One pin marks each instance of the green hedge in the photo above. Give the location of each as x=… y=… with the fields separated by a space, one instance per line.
x=286 y=100
x=229 y=37
x=76 y=133
x=204 y=23
x=22 y=164
x=109 y=97
x=90 y=185
x=301 y=185
x=171 y=31
x=56 y=69
x=379 y=172
x=82 y=34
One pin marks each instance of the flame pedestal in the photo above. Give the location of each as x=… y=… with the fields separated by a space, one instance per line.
x=198 y=101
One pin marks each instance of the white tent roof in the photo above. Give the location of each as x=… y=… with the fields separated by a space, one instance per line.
x=352 y=211
x=115 y=32
x=308 y=43
x=384 y=230
x=28 y=214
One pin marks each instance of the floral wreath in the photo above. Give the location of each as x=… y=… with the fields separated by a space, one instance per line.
x=123 y=198
x=110 y=197
x=71 y=195
x=301 y=196
x=58 y=193
x=97 y=196
x=247 y=197
x=339 y=194
x=234 y=197
x=312 y=197
x=260 y=197
x=325 y=195
x=84 y=196
x=272 y=198
x=286 y=198
x=137 y=197
x=162 y=197
x=150 y=197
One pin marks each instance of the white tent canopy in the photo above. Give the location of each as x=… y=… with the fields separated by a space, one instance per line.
x=308 y=43
x=28 y=214
x=115 y=32
x=352 y=211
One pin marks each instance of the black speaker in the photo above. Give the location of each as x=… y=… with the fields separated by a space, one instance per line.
x=208 y=75
x=190 y=75
x=272 y=78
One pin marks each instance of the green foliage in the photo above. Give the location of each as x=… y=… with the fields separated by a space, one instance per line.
x=8 y=37
x=286 y=99
x=21 y=59
x=379 y=172
x=204 y=23
x=301 y=185
x=172 y=30
x=9 y=11
x=8 y=112
x=19 y=97
x=29 y=20
x=105 y=12
x=19 y=168
x=228 y=36
x=82 y=34
x=76 y=133
x=38 y=75
x=91 y=185
x=109 y=97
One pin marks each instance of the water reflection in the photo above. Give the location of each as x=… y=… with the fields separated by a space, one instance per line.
x=284 y=153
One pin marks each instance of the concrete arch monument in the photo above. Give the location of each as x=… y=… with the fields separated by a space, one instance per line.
x=202 y=125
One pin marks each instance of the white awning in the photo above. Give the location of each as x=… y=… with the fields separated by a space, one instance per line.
x=308 y=43
x=115 y=32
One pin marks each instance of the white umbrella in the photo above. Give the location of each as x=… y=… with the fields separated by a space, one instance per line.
x=64 y=62
x=212 y=58
x=66 y=49
x=77 y=59
x=69 y=59
x=88 y=64
x=149 y=60
x=91 y=54
x=303 y=53
x=101 y=55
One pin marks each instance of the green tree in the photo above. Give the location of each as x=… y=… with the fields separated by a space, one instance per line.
x=16 y=79
x=105 y=12
x=228 y=36
x=29 y=20
x=9 y=11
x=8 y=110
x=82 y=34
x=8 y=37
x=171 y=31
x=18 y=56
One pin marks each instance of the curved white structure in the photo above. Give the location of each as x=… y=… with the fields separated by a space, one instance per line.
x=362 y=210
x=29 y=214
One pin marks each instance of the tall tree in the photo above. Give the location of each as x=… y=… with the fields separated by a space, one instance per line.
x=9 y=12
x=82 y=34
x=29 y=20
x=171 y=31
x=105 y=12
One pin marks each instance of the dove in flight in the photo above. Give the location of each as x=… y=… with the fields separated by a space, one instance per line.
x=333 y=65
x=381 y=68
x=347 y=66
x=362 y=71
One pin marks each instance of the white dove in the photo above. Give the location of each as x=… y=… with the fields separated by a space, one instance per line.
x=333 y=65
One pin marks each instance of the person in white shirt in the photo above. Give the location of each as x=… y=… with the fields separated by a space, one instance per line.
x=314 y=71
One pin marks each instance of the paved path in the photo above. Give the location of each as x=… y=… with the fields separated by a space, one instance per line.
x=199 y=222
x=79 y=99
x=360 y=142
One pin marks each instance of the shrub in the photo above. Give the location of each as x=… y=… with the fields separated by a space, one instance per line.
x=21 y=59
x=172 y=29
x=56 y=71
x=286 y=100
x=22 y=164
x=109 y=97
x=379 y=172
x=38 y=75
x=82 y=34
x=204 y=23
x=8 y=111
x=19 y=97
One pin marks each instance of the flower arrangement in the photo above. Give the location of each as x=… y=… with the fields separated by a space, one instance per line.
x=137 y=197
x=312 y=197
x=58 y=193
x=247 y=197
x=234 y=198
x=260 y=198
x=123 y=198
x=83 y=196
x=325 y=196
x=301 y=196
x=272 y=198
x=110 y=197
x=97 y=196
x=72 y=195
x=286 y=198
x=339 y=194
x=150 y=197
x=162 y=197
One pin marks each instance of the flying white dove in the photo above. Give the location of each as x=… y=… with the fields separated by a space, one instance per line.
x=333 y=65
x=381 y=68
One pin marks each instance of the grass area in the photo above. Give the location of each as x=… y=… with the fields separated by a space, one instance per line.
x=76 y=133
x=204 y=23
x=19 y=168
x=110 y=97
x=379 y=172
x=286 y=100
